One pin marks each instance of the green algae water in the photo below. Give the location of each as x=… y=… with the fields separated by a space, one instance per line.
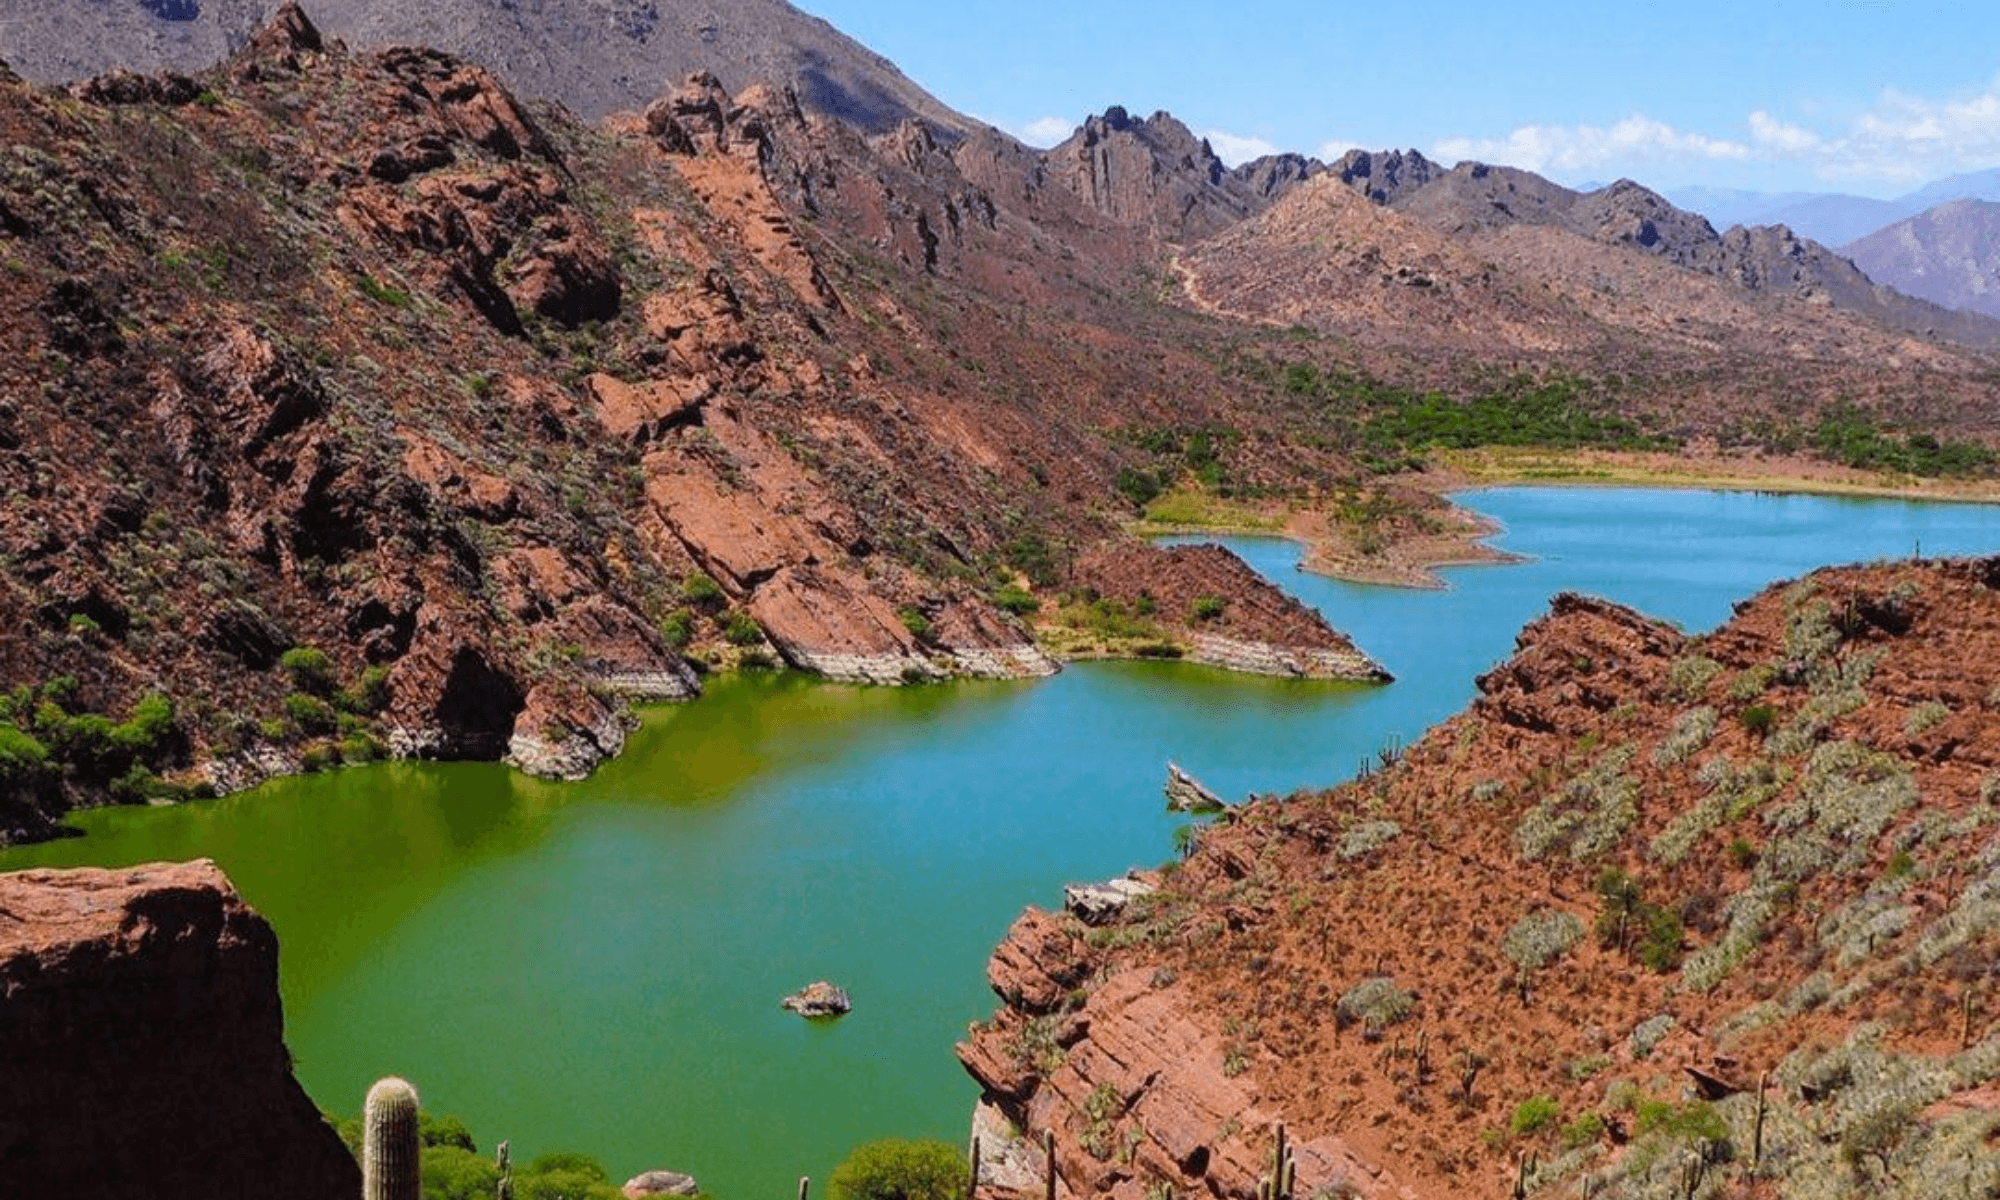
x=598 y=966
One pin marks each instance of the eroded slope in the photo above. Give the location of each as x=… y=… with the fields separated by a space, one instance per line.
x=1578 y=922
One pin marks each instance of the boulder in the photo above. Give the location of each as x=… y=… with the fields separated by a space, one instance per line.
x=1100 y=903
x=819 y=999
x=661 y=1183
x=1187 y=794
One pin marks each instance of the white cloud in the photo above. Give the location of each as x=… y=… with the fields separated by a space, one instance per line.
x=1768 y=131
x=1044 y=132
x=1908 y=139
x=1234 y=150
x=1636 y=141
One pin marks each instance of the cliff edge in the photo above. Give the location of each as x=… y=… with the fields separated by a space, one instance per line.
x=141 y=1044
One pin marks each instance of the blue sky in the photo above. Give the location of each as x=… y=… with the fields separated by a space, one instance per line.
x=1867 y=96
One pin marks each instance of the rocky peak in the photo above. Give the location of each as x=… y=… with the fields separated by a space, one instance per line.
x=700 y=117
x=1273 y=175
x=1385 y=176
x=280 y=43
x=1154 y=174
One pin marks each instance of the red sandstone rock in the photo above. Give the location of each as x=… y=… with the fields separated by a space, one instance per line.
x=141 y=1044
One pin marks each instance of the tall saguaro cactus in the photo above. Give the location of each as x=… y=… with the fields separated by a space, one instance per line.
x=389 y=1143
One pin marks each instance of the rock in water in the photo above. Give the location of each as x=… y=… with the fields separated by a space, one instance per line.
x=660 y=1183
x=819 y=999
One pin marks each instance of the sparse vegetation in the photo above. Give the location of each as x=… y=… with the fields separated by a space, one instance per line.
x=1541 y=937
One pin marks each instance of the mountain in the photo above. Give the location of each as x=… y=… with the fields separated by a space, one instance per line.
x=1831 y=218
x=1654 y=915
x=595 y=56
x=1474 y=202
x=356 y=409
x=1949 y=254
x=1155 y=174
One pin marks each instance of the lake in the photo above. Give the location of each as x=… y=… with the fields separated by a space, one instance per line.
x=597 y=966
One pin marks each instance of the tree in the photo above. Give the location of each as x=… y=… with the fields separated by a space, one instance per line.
x=898 y=1169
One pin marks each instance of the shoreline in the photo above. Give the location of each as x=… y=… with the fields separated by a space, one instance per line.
x=1413 y=561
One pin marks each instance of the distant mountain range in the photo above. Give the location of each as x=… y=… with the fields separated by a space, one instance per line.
x=1949 y=254
x=1830 y=218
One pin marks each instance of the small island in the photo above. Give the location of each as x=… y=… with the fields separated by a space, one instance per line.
x=819 y=999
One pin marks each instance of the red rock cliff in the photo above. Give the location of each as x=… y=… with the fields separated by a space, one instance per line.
x=141 y=1044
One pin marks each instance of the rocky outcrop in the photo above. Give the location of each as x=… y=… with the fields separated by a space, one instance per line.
x=1155 y=174
x=1230 y=616
x=1132 y=1081
x=1101 y=903
x=141 y=1044
x=1385 y=176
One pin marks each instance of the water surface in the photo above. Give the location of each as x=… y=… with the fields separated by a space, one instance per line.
x=598 y=966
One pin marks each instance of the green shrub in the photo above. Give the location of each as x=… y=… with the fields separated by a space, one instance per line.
x=1925 y=716
x=564 y=1177
x=1541 y=937
x=915 y=623
x=151 y=723
x=702 y=591
x=1533 y=1115
x=1583 y=1131
x=1138 y=486
x=1015 y=599
x=1661 y=935
x=311 y=670
x=897 y=1169
x=677 y=628
x=451 y=1172
x=22 y=755
x=1696 y=1120
x=382 y=293
x=742 y=629
x=370 y=693
x=1759 y=719
x=1376 y=1002
x=310 y=713
x=1031 y=555
x=1207 y=608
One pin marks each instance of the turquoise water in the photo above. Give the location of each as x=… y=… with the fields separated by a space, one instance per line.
x=598 y=966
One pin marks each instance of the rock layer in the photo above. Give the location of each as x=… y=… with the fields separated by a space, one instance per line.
x=141 y=1044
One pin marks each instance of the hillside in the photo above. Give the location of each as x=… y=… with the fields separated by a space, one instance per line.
x=595 y=56
x=1699 y=353
x=364 y=410
x=1945 y=254
x=1474 y=201
x=1644 y=889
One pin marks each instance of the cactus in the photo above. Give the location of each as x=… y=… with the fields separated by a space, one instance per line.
x=389 y=1142
x=1049 y=1148
x=1278 y=1184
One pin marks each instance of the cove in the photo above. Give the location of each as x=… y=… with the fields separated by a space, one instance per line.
x=598 y=966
